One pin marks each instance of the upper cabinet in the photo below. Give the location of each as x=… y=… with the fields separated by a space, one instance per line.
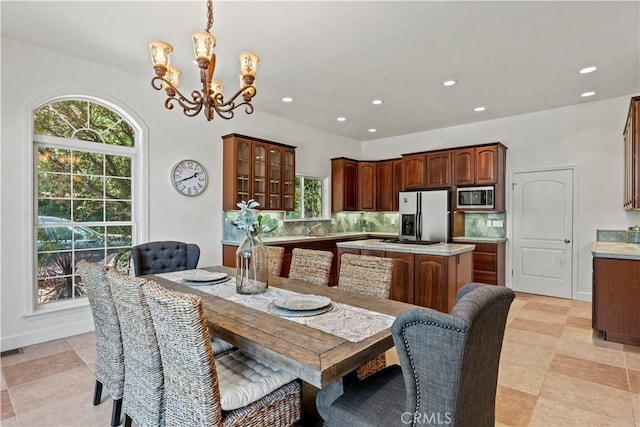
x=344 y=184
x=384 y=184
x=439 y=169
x=481 y=165
x=367 y=189
x=415 y=171
x=632 y=156
x=398 y=182
x=464 y=166
x=257 y=169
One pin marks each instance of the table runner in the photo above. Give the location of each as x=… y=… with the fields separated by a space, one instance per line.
x=345 y=321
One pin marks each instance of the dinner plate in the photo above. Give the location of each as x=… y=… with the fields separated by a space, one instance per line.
x=202 y=276
x=283 y=312
x=302 y=302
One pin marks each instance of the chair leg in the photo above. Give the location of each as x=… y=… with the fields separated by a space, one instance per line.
x=115 y=412
x=127 y=420
x=97 y=394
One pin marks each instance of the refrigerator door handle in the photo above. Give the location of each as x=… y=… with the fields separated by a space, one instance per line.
x=419 y=216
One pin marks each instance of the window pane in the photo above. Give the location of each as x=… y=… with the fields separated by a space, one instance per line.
x=118 y=188
x=59 y=209
x=119 y=235
x=118 y=166
x=118 y=211
x=89 y=163
x=52 y=185
x=48 y=122
x=88 y=187
x=308 y=198
x=54 y=160
x=88 y=211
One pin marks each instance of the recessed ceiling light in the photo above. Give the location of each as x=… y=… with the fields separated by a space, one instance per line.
x=479 y=109
x=287 y=99
x=587 y=70
x=449 y=83
x=372 y=130
x=587 y=94
x=377 y=101
x=341 y=119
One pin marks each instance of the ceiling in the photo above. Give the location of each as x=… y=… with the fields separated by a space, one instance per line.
x=335 y=57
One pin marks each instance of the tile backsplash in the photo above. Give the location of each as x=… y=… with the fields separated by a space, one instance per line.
x=485 y=224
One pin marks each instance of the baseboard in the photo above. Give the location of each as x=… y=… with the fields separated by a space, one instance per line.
x=44 y=335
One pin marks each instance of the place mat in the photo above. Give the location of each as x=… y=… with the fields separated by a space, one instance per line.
x=345 y=321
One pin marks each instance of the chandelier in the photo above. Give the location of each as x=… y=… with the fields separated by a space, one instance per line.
x=210 y=98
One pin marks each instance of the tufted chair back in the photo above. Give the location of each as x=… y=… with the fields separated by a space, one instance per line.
x=164 y=257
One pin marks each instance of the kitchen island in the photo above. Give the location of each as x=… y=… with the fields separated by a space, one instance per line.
x=616 y=291
x=424 y=275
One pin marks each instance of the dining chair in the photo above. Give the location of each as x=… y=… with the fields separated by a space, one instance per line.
x=109 y=365
x=311 y=265
x=448 y=369
x=164 y=257
x=143 y=397
x=275 y=255
x=234 y=390
x=368 y=275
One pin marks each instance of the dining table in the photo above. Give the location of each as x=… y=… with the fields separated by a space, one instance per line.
x=315 y=354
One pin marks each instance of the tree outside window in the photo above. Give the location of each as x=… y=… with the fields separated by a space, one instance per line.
x=83 y=157
x=309 y=198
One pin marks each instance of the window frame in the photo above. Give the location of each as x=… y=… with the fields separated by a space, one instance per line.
x=326 y=200
x=139 y=196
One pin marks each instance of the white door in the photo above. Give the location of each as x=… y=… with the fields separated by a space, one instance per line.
x=543 y=232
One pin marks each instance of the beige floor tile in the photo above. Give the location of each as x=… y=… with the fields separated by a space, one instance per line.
x=9 y=422
x=579 y=322
x=588 y=336
x=541 y=316
x=3 y=383
x=580 y=309
x=633 y=360
x=7 y=407
x=85 y=346
x=546 y=307
x=562 y=302
x=587 y=370
x=39 y=368
x=634 y=380
x=513 y=407
x=36 y=351
x=636 y=407
x=544 y=328
x=589 y=396
x=531 y=338
x=523 y=367
x=591 y=352
x=551 y=413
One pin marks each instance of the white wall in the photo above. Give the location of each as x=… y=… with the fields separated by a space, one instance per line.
x=588 y=135
x=171 y=137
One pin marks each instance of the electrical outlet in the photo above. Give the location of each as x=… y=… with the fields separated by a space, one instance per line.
x=393 y=221
x=489 y=223
x=497 y=223
x=280 y=223
x=333 y=221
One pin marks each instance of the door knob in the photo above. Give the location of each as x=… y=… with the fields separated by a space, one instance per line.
x=567 y=241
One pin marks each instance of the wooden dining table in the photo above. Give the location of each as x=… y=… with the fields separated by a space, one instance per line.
x=317 y=357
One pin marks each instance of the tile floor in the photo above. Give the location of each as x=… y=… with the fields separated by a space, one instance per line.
x=554 y=371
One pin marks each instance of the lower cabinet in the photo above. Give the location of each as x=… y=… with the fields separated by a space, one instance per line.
x=489 y=263
x=426 y=280
x=616 y=298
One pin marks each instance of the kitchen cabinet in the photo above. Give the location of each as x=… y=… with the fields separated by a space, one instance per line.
x=616 y=298
x=398 y=182
x=437 y=279
x=489 y=263
x=344 y=184
x=632 y=156
x=414 y=171
x=439 y=169
x=255 y=169
x=481 y=165
x=384 y=186
x=464 y=166
x=367 y=188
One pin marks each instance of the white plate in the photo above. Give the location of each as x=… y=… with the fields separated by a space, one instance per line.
x=302 y=302
x=202 y=276
x=283 y=312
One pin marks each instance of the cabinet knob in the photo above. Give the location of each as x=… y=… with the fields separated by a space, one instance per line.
x=567 y=241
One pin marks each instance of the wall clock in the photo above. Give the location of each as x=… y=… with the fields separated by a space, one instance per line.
x=189 y=178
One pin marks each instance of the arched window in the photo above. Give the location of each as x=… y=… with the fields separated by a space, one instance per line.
x=84 y=156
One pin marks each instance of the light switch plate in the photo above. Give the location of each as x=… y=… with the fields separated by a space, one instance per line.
x=489 y=223
x=498 y=223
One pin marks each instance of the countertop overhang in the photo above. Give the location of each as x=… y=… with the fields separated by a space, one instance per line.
x=442 y=249
x=620 y=250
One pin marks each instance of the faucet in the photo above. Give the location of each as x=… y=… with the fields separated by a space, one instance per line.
x=309 y=229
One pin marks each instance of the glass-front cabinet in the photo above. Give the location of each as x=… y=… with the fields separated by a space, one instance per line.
x=260 y=170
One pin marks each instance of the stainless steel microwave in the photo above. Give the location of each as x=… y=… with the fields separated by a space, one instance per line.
x=476 y=198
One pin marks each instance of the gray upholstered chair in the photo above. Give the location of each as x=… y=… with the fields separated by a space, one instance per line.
x=164 y=257
x=109 y=366
x=368 y=275
x=234 y=390
x=311 y=266
x=275 y=255
x=143 y=398
x=449 y=368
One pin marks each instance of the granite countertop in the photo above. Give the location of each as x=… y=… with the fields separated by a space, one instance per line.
x=479 y=239
x=313 y=237
x=443 y=249
x=620 y=250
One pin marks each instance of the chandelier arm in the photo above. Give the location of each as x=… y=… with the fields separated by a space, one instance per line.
x=189 y=107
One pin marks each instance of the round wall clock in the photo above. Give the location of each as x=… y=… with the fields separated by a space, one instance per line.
x=189 y=178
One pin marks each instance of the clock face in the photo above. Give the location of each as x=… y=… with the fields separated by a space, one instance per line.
x=189 y=178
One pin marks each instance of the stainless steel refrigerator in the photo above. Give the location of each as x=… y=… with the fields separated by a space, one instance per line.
x=425 y=216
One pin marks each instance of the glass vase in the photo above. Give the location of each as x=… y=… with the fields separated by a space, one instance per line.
x=252 y=270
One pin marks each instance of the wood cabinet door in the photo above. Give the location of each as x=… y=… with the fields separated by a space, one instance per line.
x=367 y=186
x=430 y=282
x=632 y=156
x=259 y=182
x=486 y=165
x=439 y=170
x=344 y=185
x=398 y=183
x=385 y=193
x=464 y=166
x=402 y=287
x=275 y=174
x=415 y=171
x=289 y=179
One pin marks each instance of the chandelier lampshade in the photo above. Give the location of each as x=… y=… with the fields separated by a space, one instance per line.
x=210 y=98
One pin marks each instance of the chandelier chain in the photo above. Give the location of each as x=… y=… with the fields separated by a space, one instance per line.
x=209 y=15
